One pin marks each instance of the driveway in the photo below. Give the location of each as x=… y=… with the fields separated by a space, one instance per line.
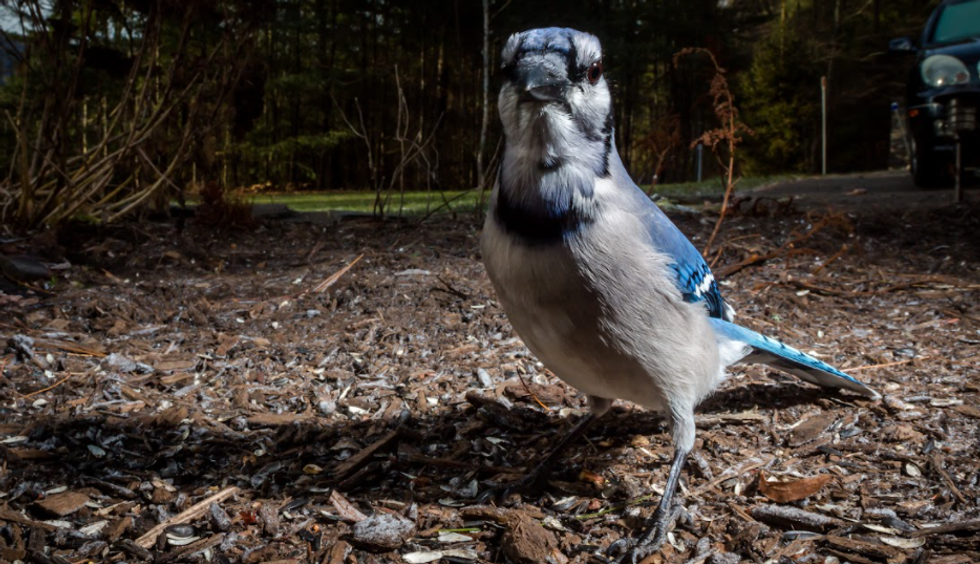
x=869 y=191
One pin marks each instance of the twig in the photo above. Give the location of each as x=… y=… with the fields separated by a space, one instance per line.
x=937 y=464
x=705 y=421
x=447 y=203
x=192 y=548
x=67 y=347
x=835 y=256
x=728 y=134
x=963 y=526
x=875 y=292
x=528 y=390
x=322 y=286
x=192 y=513
x=8 y=514
x=449 y=289
x=883 y=365
x=49 y=388
x=348 y=466
x=790 y=244
x=741 y=512
x=28 y=286
x=728 y=475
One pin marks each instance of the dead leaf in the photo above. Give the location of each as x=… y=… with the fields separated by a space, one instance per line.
x=591 y=477
x=784 y=489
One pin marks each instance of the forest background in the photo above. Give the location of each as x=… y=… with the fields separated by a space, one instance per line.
x=111 y=107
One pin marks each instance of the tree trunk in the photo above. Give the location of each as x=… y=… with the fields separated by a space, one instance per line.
x=486 y=98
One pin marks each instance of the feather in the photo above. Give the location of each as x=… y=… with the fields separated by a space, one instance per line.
x=693 y=276
x=765 y=350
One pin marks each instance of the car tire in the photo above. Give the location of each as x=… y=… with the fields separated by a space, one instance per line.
x=928 y=169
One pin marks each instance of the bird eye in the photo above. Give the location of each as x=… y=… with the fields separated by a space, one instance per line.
x=595 y=72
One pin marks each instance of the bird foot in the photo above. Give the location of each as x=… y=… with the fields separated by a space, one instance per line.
x=650 y=542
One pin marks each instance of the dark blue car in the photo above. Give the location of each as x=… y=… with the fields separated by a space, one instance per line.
x=943 y=95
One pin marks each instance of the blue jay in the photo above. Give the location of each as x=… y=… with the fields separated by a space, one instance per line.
x=596 y=280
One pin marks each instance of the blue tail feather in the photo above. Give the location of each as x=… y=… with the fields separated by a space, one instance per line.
x=771 y=352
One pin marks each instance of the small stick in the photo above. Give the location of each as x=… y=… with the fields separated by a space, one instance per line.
x=192 y=513
x=336 y=276
x=68 y=347
x=449 y=289
x=528 y=390
x=726 y=476
x=937 y=464
x=962 y=526
x=741 y=512
x=49 y=388
x=833 y=257
x=873 y=366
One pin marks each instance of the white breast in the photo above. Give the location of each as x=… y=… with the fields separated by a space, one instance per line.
x=599 y=312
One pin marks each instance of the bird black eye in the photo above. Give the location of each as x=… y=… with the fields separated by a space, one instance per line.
x=595 y=72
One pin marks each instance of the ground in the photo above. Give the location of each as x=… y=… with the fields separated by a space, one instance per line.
x=258 y=396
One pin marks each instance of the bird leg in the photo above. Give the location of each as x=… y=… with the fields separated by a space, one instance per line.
x=656 y=528
x=543 y=468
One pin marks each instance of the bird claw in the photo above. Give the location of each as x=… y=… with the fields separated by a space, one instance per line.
x=637 y=551
x=651 y=541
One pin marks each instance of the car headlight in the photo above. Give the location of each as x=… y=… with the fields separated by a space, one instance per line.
x=944 y=70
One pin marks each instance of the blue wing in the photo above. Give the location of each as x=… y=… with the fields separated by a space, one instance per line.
x=694 y=278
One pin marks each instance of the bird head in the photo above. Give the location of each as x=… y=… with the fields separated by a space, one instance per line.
x=555 y=103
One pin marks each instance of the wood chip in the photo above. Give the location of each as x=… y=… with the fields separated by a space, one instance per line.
x=338 y=553
x=345 y=509
x=192 y=513
x=949 y=528
x=527 y=542
x=218 y=518
x=8 y=514
x=276 y=419
x=346 y=467
x=118 y=527
x=63 y=504
x=31 y=454
x=793 y=518
x=811 y=428
x=193 y=548
x=968 y=410
x=874 y=550
x=270 y=519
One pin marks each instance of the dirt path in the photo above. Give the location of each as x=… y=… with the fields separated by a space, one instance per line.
x=193 y=382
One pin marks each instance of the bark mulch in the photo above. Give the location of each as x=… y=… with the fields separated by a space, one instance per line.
x=257 y=396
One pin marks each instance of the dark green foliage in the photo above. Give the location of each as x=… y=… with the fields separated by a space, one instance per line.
x=269 y=108
x=780 y=95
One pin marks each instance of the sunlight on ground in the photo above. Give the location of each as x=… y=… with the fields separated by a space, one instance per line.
x=420 y=203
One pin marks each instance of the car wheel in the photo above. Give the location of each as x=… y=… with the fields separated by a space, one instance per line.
x=928 y=169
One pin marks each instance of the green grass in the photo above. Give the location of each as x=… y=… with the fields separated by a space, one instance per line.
x=715 y=186
x=419 y=203
x=415 y=203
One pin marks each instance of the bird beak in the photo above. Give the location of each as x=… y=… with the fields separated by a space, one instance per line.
x=540 y=85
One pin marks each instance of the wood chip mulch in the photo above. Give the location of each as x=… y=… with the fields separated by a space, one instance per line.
x=204 y=396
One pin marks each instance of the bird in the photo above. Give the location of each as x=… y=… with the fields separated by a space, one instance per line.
x=596 y=280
